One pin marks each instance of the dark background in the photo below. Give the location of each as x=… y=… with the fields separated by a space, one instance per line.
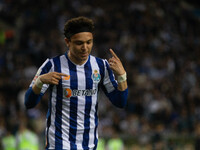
x=157 y=41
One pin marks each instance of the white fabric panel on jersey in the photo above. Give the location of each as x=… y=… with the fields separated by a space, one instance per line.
x=73 y=116
x=107 y=82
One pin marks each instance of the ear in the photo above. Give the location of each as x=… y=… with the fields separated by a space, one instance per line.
x=67 y=41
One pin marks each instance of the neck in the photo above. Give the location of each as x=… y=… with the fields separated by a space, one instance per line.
x=75 y=60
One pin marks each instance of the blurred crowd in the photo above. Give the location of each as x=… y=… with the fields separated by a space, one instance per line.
x=157 y=41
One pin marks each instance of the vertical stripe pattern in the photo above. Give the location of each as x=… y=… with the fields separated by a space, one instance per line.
x=72 y=117
x=73 y=107
x=89 y=85
x=59 y=95
x=100 y=64
x=66 y=104
x=81 y=106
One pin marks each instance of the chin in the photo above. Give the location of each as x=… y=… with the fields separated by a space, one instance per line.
x=84 y=58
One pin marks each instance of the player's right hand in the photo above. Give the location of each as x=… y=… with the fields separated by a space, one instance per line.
x=51 y=77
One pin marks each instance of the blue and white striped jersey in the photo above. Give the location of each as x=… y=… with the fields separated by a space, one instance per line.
x=72 y=115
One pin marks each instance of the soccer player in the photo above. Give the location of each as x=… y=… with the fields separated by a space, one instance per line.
x=74 y=79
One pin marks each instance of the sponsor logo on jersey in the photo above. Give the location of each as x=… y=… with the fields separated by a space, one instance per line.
x=96 y=77
x=68 y=93
x=66 y=77
x=88 y=92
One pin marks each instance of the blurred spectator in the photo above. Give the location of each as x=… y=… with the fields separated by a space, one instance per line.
x=9 y=142
x=115 y=142
x=25 y=138
x=101 y=144
x=197 y=139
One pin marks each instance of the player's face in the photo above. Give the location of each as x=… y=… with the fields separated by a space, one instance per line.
x=80 y=46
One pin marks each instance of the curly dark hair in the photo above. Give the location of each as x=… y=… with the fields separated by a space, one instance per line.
x=76 y=25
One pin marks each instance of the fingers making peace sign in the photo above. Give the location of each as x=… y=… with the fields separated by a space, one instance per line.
x=116 y=64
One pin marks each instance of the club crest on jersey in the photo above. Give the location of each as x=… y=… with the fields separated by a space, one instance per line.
x=96 y=77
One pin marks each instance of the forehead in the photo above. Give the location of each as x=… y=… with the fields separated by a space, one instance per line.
x=82 y=36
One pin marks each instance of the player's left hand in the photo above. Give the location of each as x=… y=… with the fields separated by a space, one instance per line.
x=116 y=64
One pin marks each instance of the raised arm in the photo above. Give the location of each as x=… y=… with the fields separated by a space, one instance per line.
x=117 y=92
x=118 y=69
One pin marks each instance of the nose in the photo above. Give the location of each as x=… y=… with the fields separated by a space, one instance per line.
x=84 y=46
